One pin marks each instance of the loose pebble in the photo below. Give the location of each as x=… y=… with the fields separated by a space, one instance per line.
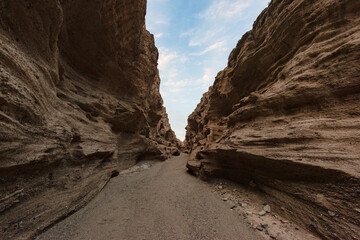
x=262 y=213
x=267 y=208
x=332 y=214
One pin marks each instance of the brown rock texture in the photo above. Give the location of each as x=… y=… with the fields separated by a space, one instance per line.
x=79 y=100
x=285 y=115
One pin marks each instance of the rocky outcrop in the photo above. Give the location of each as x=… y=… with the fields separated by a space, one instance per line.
x=285 y=115
x=79 y=101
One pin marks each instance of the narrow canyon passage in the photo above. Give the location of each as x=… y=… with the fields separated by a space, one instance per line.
x=160 y=202
x=84 y=95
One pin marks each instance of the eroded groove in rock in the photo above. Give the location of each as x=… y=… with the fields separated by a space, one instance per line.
x=79 y=100
x=285 y=113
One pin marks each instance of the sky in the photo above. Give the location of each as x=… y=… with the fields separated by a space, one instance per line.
x=195 y=38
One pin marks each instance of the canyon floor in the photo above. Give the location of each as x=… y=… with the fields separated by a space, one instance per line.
x=155 y=200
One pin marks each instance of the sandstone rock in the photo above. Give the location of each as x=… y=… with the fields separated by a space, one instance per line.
x=79 y=99
x=262 y=213
x=249 y=213
x=285 y=113
x=267 y=208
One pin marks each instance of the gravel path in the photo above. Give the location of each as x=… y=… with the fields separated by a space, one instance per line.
x=161 y=201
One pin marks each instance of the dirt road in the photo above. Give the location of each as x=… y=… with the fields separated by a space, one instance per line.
x=154 y=201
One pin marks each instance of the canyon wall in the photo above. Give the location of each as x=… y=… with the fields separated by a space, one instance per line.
x=79 y=101
x=284 y=115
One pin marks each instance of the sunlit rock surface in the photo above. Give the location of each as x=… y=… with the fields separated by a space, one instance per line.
x=285 y=114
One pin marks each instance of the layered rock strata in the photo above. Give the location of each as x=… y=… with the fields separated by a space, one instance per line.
x=285 y=115
x=79 y=101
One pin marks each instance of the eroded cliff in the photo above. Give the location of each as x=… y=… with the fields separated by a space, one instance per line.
x=79 y=100
x=285 y=115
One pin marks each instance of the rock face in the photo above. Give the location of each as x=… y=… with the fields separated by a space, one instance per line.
x=79 y=100
x=285 y=115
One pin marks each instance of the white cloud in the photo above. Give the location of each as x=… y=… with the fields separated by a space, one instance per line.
x=216 y=46
x=207 y=79
x=219 y=22
x=187 y=33
x=194 y=43
x=176 y=89
x=183 y=59
x=183 y=101
x=166 y=56
x=178 y=83
x=157 y=18
x=159 y=35
x=225 y=9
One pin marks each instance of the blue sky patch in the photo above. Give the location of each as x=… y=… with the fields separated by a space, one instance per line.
x=195 y=38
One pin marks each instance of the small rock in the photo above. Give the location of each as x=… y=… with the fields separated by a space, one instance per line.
x=357 y=191
x=146 y=166
x=220 y=187
x=267 y=208
x=282 y=209
x=332 y=214
x=225 y=199
x=265 y=226
x=284 y=221
x=244 y=204
x=273 y=236
x=249 y=213
x=259 y=228
x=262 y=213
x=232 y=207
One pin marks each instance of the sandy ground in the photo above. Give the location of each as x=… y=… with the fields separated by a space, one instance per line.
x=157 y=200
